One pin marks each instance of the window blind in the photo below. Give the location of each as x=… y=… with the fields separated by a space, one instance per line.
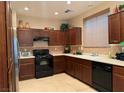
x=96 y=31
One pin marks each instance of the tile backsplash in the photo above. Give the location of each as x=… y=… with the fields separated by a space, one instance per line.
x=60 y=49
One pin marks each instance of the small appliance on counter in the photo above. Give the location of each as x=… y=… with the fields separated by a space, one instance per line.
x=67 y=49
x=120 y=56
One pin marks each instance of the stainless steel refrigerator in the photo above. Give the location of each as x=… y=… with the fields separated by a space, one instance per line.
x=16 y=57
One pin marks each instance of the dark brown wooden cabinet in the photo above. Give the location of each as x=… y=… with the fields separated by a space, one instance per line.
x=59 y=64
x=80 y=69
x=35 y=33
x=56 y=38
x=114 y=28
x=118 y=79
x=25 y=37
x=75 y=36
x=26 y=69
x=122 y=26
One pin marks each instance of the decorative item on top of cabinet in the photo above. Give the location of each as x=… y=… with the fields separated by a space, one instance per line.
x=27 y=25
x=21 y=24
x=121 y=7
x=64 y=27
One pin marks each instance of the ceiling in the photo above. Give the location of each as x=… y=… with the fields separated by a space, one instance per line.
x=46 y=9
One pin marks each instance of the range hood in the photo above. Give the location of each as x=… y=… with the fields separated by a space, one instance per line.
x=41 y=39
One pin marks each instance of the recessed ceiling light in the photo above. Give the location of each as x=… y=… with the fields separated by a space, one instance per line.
x=56 y=13
x=26 y=8
x=68 y=2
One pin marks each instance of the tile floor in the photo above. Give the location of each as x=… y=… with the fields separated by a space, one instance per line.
x=56 y=83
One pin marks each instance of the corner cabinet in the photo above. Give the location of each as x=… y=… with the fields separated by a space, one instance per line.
x=80 y=69
x=116 y=28
x=59 y=64
x=26 y=68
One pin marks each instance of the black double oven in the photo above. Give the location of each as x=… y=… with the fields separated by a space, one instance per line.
x=43 y=63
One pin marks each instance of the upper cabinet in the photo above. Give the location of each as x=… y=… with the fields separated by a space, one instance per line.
x=25 y=37
x=75 y=36
x=122 y=26
x=56 y=37
x=116 y=28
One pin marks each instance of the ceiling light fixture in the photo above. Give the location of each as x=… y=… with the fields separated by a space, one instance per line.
x=26 y=8
x=68 y=2
x=56 y=13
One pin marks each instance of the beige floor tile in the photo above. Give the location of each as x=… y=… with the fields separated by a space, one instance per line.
x=56 y=83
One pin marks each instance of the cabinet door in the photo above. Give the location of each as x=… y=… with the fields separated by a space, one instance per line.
x=87 y=75
x=36 y=33
x=25 y=37
x=61 y=38
x=27 y=69
x=118 y=83
x=75 y=36
x=59 y=64
x=114 y=28
x=122 y=26
x=44 y=33
x=78 y=70
x=70 y=68
x=72 y=37
x=67 y=38
x=118 y=79
x=53 y=38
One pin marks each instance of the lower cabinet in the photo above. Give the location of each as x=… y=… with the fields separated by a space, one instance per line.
x=59 y=64
x=80 y=69
x=118 y=79
x=26 y=68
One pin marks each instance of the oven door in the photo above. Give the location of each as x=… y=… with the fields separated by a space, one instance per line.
x=43 y=68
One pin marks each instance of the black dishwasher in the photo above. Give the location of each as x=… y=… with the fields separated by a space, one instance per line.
x=102 y=76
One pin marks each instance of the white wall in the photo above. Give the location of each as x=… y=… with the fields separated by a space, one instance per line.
x=39 y=22
x=78 y=20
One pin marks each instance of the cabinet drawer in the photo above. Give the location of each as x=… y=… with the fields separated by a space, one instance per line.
x=118 y=70
x=23 y=61
x=58 y=58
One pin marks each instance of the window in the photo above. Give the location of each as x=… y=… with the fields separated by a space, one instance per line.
x=96 y=31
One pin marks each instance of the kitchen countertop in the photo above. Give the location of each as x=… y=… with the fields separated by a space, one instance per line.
x=26 y=57
x=100 y=58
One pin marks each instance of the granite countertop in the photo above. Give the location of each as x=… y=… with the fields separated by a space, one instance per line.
x=100 y=58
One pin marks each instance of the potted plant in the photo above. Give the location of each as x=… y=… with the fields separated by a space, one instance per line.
x=64 y=27
x=121 y=7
